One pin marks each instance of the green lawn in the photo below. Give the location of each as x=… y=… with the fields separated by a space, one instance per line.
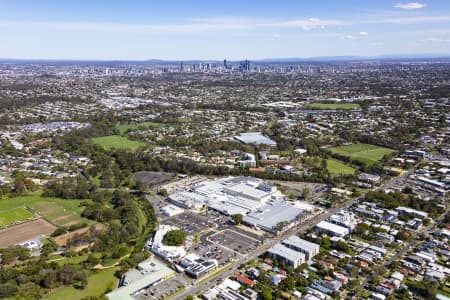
x=118 y=142
x=336 y=167
x=365 y=153
x=344 y=106
x=13 y=215
x=98 y=284
x=124 y=127
x=63 y=212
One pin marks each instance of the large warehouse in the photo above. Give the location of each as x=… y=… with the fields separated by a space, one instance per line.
x=263 y=205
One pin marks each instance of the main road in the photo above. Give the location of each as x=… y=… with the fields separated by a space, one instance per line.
x=213 y=280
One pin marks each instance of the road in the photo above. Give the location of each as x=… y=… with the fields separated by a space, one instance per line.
x=198 y=289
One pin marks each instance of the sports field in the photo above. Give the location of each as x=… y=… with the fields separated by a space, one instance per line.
x=24 y=232
x=14 y=215
x=124 y=127
x=63 y=212
x=338 y=168
x=343 y=106
x=365 y=153
x=118 y=142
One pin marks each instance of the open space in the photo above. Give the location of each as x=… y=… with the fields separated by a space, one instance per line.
x=344 y=106
x=62 y=239
x=24 y=232
x=123 y=128
x=117 y=142
x=98 y=284
x=365 y=153
x=336 y=167
x=62 y=212
x=15 y=215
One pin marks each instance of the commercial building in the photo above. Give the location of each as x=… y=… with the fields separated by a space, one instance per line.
x=273 y=217
x=155 y=244
x=411 y=212
x=230 y=195
x=344 y=218
x=196 y=266
x=228 y=290
x=300 y=245
x=369 y=178
x=290 y=257
x=255 y=138
x=146 y=274
x=332 y=229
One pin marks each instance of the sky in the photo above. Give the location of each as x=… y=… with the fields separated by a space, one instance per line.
x=211 y=29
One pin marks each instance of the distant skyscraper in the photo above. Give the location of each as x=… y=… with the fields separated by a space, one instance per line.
x=181 y=67
x=244 y=65
x=225 y=64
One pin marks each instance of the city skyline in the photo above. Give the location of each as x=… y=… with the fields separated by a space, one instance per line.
x=201 y=30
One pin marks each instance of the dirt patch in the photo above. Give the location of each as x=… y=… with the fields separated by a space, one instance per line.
x=62 y=239
x=63 y=217
x=25 y=232
x=71 y=223
x=152 y=178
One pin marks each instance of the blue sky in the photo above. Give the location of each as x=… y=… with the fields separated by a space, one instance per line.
x=132 y=29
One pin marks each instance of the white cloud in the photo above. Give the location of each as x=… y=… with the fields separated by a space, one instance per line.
x=415 y=20
x=192 y=26
x=363 y=33
x=348 y=37
x=410 y=5
x=276 y=36
x=308 y=24
x=438 y=40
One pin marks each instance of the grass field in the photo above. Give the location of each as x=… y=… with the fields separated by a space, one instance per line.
x=98 y=284
x=63 y=212
x=365 y=153
x=17 y=214
x=124 y=127
x=338 y=168
x=118 y=142
x=334 y=106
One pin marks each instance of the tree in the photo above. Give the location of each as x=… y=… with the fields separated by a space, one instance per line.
x=163 y=192
x=190 y=297
x=361 y=228
x=174 y=237
x=266 y=293
x=305 y=193
x=7 y=290
x=237 y=218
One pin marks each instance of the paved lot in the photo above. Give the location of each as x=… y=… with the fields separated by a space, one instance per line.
x=162 y=290
x=235 y=241
x=191 y=222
